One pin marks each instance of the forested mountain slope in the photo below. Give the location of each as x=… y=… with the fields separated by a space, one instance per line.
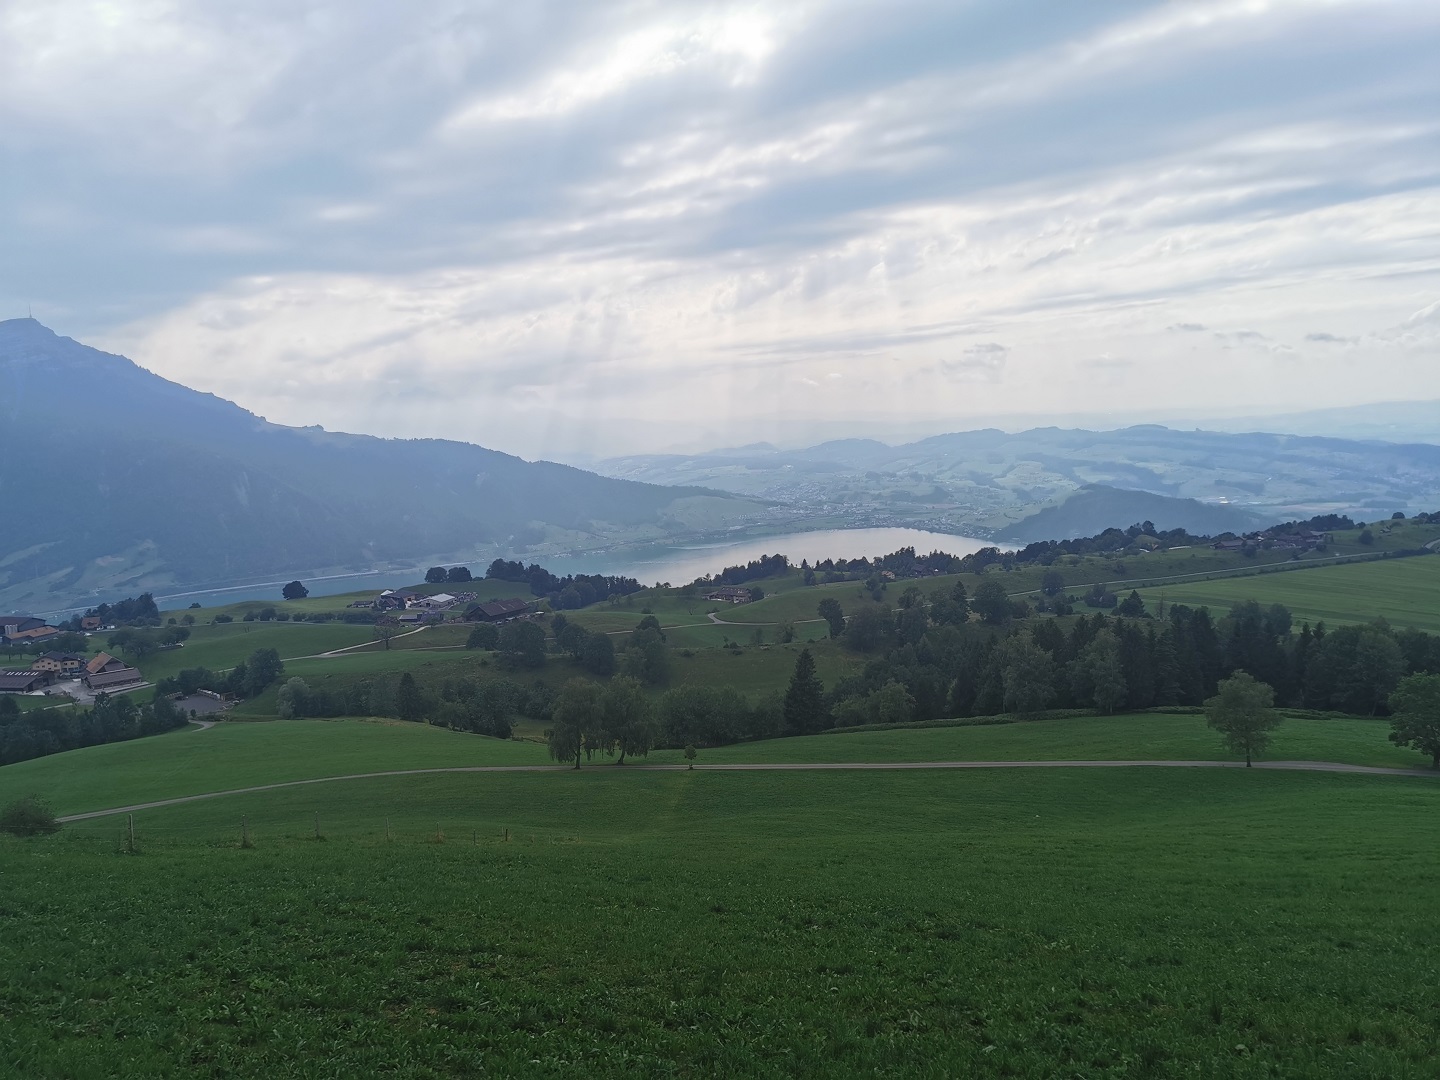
x=115 y=478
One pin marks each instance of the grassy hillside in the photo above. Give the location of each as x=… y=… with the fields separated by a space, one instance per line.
x=1065 y=923
x=1404 y=591
x=235 y=755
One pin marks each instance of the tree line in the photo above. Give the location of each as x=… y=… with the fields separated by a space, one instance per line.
x=564 y=593
x=113 y=718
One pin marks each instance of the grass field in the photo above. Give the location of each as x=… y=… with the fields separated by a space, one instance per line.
x=235 y=755
x=222 y=646
x=1072 y=923
x=1404 y=591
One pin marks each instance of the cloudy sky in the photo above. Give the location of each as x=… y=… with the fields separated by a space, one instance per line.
x=559 y=228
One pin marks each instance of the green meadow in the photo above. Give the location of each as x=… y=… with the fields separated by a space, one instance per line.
x=1108 y=922
x=1404 y=591
x=1125 y=921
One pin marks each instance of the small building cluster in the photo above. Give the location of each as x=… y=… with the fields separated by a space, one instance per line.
x=24 y=630
x=732 y=594
x=1274 y=540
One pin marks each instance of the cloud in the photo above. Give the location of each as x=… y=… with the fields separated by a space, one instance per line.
x=984 y=362
x=1329 y=339
x=595 y=214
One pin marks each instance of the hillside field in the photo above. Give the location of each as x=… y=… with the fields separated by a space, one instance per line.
x=1406 y=592
x=1076 y=922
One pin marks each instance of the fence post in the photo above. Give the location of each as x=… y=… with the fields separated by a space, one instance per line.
x=245 y=831
x=317 y=824
x=130 y=834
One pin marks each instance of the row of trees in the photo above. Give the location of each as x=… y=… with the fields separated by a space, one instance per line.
x=564 y=593
x=931 y=662
x=247 y=679
x=642 y=655
x=114 y=718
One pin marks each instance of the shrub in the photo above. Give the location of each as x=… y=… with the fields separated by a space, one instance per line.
x=28 y=817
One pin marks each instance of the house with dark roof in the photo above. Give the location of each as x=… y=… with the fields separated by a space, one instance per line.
x=13 y=626
x=114 y=678
x=498 y=610
x=23 y=682
x=62 y=663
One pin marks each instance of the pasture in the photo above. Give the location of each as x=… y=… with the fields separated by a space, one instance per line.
x=1109 y=922
x=1404 y=591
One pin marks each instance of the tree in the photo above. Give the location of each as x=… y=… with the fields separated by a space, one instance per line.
x=1132 y=607
x=522 y=644
x=831 y=612
x=869 y=627
x=1098 y=675
x=295 y=590
x=577 y=713
x=628 y=718
x=990 y=601
x=805 y=699
x=690 y=747
x=458 y=575
x=28 y=816
x=1053 y=583
x=1241 y=711
x=262 y=667
x=598 y=655
x=436 y=575
x=1416 y=720
x=484 y=636
x=409 y=703
x=1367 y=537
x=293 y=700
x=1027 y=674
x=385 y=628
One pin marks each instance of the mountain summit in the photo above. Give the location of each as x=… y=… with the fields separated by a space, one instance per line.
x=117 y=480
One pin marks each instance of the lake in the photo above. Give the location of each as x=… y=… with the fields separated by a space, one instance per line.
x=649 y=563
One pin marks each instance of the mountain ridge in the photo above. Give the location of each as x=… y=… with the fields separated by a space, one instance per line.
x=122 y=479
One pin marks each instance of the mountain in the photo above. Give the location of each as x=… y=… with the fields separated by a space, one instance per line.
x=115 y=480
x=983 y=482
x=1095 y=508
x=1391 y=421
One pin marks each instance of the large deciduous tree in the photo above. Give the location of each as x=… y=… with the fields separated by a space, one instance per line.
x=1416 y=721
x=1241 y=711
x=832 y=613
x=295 y=590
x=990 y=601
x=628 y=719
x=576 y=718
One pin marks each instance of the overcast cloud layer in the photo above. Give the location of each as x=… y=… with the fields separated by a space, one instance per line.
x=558 y=227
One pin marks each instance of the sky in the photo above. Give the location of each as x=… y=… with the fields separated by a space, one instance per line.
x=580 y=229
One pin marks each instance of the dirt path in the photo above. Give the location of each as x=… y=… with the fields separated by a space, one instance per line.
x=352 y=648
x=848 y=766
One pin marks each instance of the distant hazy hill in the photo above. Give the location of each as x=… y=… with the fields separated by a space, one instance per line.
x=1096 y=508
x=113 y=478
x=990 y=479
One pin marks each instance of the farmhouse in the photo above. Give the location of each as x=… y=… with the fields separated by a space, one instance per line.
x=730 y=594
x=23 y=682
x=498 y=610
x=91 y=622
x=438 y=602
x=103 y=663
x=1229 y=545
x=63 y=663
x=113 y=678
x=20 y=627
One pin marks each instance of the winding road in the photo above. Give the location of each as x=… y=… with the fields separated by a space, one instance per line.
x=847 y=766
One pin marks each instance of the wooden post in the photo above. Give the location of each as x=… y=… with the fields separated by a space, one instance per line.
x=317 y=824
x=130 y=833
x=387 y=830
x=245 y=831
